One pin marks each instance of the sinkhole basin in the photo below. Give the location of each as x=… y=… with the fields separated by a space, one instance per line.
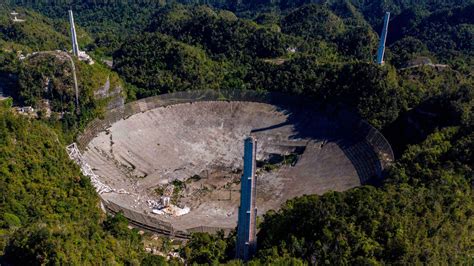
x=194 y=140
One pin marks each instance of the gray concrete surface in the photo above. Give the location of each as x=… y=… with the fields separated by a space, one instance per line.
x=152 y=148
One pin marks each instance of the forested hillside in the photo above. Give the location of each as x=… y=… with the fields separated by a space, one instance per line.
x=35 y=70
x=37 y=33
x=423 y=212
x=427 y=201
x=50 y=212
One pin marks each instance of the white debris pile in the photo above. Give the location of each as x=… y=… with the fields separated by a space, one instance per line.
x=164 y=207
x=76 y=156
x=83 y=56
x=172 y=210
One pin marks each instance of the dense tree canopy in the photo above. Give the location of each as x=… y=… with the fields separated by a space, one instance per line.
x=428 y=200
x=49 y=212
x=322 y=50
x=161 y=64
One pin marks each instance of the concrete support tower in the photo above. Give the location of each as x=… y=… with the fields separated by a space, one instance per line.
x=246 y=228
x=383 y=38
x=75 y=45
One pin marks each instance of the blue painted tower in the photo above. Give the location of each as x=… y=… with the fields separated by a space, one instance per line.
x=383 y=38
x=246 y=229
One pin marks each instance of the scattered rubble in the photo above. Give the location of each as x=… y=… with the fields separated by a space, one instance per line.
x=83 y=56
x=76 y=156
x=192 y=153
x=164 y=207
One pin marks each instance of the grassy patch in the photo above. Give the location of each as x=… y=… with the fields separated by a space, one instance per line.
x=160 y=191
x=276 y=160
x=178 y=186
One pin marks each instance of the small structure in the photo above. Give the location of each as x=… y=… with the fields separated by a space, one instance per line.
x=246 y=228
x=383 y=38
x=15 y=17
x=27 y=110
x=291 y=50
x=423 y=61
x=165 y=201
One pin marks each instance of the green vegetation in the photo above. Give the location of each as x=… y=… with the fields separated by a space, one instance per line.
x=178 y=186
x=204 y=248
x=45 y=81
x=427 y=200
x=446 y=34
x=161 y=65
x=321 y=50
x=36 y=33
x=49 y=212
x=276 y=160
x=160 y=191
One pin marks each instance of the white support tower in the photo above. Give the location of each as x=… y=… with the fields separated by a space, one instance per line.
x=383 y=38
x=75 y=45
